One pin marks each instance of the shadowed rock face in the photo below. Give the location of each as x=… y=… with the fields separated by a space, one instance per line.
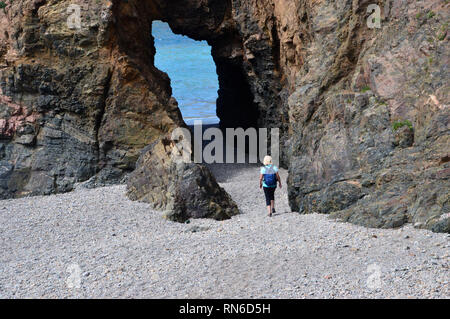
x=80 y=104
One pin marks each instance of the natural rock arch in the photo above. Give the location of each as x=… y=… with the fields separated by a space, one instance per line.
x=81 y=104
x=211 y=21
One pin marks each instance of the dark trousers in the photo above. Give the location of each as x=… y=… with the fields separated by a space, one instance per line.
x=270 y=194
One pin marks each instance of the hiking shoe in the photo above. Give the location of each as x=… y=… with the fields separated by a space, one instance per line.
x=273 y=211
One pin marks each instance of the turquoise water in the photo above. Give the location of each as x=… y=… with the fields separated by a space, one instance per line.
x=192 y=71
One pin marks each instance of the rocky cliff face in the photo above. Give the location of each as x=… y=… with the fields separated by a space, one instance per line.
x=364 y=112
x=369 y=115
x=76 y=103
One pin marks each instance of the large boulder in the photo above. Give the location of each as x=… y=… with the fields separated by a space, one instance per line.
x=183 y=190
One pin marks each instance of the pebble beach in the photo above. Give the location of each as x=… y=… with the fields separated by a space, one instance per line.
x=95 y=243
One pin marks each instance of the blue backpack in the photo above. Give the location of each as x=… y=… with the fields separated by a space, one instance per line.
x=270 y=177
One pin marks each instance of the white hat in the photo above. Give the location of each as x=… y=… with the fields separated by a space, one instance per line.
x=267 y=160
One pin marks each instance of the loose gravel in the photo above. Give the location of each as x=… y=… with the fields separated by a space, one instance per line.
x=98 y=244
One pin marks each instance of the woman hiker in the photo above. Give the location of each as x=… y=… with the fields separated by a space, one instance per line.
x=268 y=181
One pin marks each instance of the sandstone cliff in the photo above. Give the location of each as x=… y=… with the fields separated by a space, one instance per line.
x=364 y=112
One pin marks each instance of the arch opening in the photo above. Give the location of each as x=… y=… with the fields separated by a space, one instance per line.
x=192 y=71
x=209 y=85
